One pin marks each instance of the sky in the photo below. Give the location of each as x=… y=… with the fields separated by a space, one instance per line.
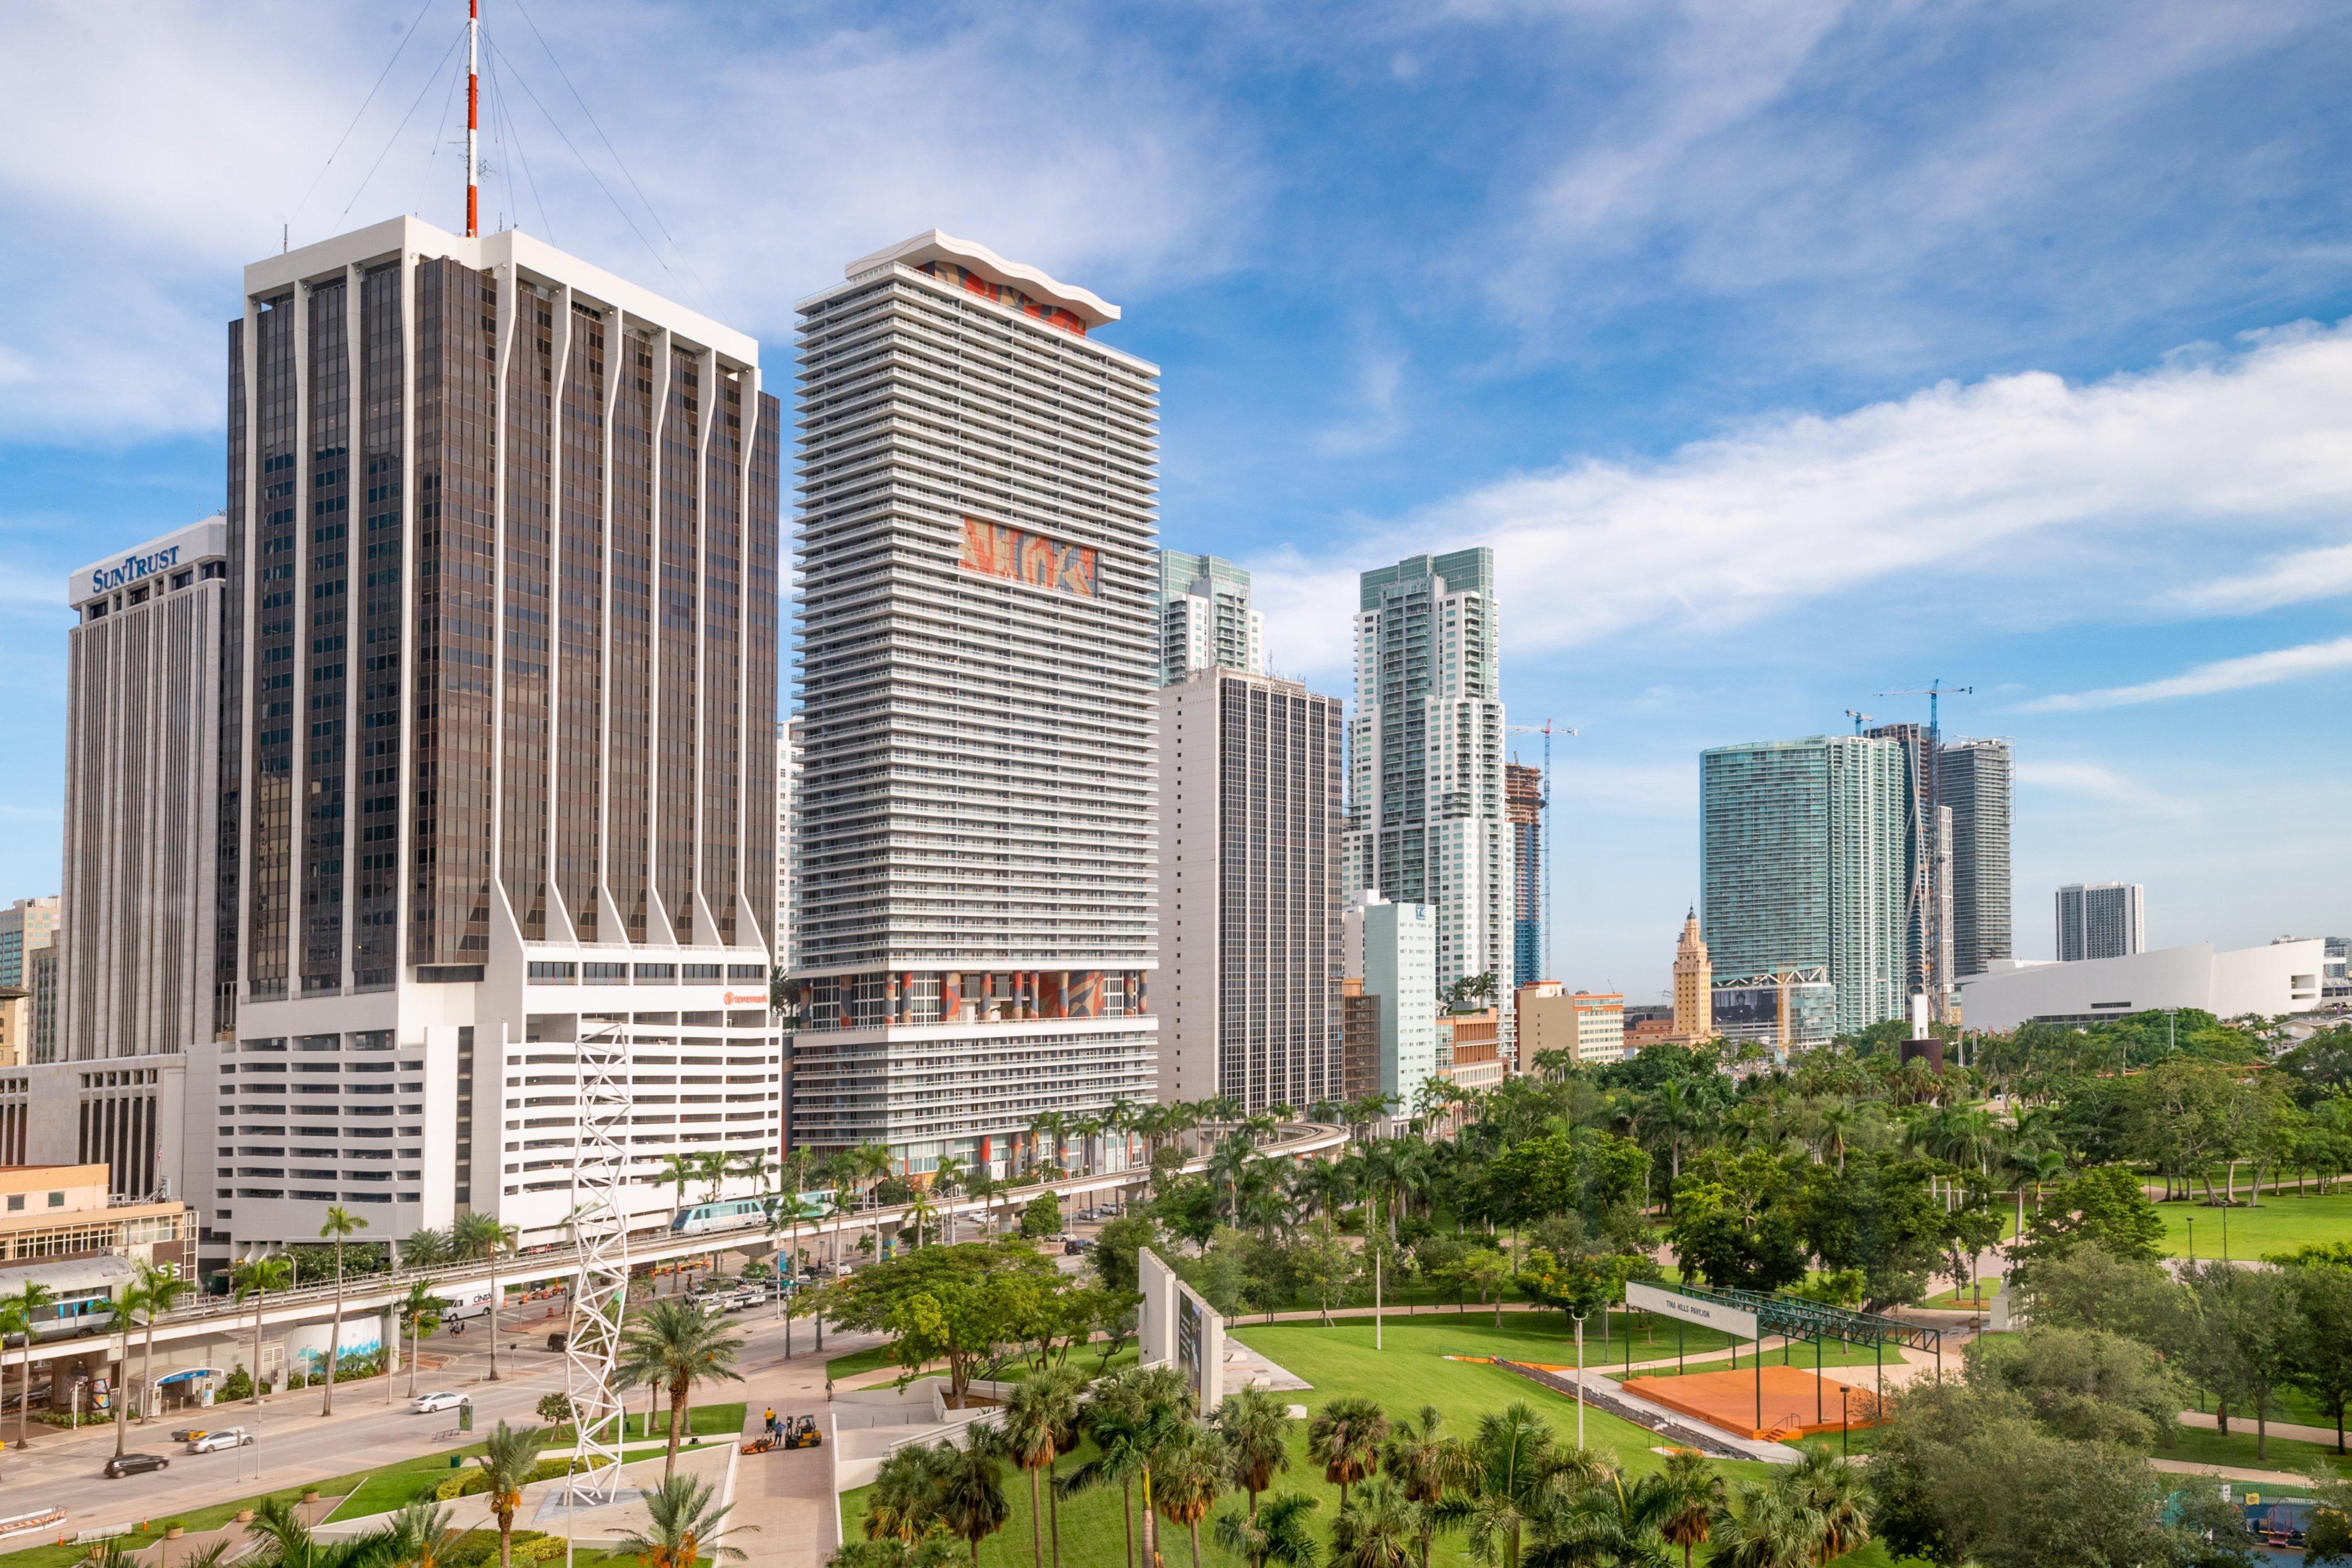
x=1788 y=354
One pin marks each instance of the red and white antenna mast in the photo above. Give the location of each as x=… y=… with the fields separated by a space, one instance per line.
x=473 y=117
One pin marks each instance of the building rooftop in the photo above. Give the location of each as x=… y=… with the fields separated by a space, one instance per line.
x=933 y=244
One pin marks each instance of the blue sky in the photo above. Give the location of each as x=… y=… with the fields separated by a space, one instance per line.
x=1786 y=353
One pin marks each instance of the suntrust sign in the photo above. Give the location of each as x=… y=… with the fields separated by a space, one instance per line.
x=207 y=540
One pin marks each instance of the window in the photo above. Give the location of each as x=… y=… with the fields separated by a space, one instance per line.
x=15 y=1203
x=656 y=974
x=604 y=975
x=698 y=972
x=546 y=974
x=57 y=1200
x=746 y=972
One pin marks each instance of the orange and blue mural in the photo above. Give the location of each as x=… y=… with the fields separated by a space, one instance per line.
x=1006 y=294
x=996 y=550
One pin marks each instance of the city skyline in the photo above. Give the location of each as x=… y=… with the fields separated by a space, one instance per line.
x=1511 y=381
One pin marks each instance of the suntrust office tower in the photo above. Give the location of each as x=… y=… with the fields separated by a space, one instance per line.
x=974 y=871
x=499 y=741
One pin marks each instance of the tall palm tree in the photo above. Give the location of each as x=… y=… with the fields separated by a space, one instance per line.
x=675 y=1345
x=1029 y=1431
x=684 y=1525
x=1275 y=1536
x=425 y=1248
x=508 y=1456
x=1345 y=1438
x=711 y=1168
x=971 y=1497
x=1690 y=1496
x=920 y=1212
x=1378 y=1530
x=164 y=1289
x=1515 y=1464
x=905 y=1501
x=256 y=1277
x=18 y=1314
x=1188 y=1474
x=420 y=1313
x=1255 y=1423
x=679 y=1170
x=1426 y=1464
x=1122 y=1438
x=1769 y=1528
x=484 y=1237
x=129 y=1305
x=1133 y=1414
x=948 y=1178
x=342 y=1224
x=1835 y=1495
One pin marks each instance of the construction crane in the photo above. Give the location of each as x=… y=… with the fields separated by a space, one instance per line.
x=1926 y=893
x=1546 y=729
x=1859 y=718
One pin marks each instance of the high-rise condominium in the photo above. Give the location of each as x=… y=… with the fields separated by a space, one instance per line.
x=1523 y=803
x=1803 y=846
x=975 y=886
x=26 y=926
x=2101 y=919
x=1205 y=618
x=499 y=759
x=1975 y=782
x=1426 y=814
x=1249 y=891
x=1392 y=949
x=1927 y=853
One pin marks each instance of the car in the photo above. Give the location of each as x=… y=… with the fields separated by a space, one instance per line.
x=189 y=1434
x=226 y=1438
x=440 y=1400
x=124 y=1465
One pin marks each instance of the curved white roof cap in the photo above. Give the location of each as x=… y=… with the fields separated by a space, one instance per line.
x=931 y=245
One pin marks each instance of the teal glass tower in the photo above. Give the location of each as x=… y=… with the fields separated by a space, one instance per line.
x=1802 y=852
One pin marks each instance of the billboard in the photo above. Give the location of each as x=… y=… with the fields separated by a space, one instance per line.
x=1732 y=1321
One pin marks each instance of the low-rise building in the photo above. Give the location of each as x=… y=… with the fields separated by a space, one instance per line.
x=1589 y=1025
x=1470 y=1048
x=1648 y=1024
x=2283 y=977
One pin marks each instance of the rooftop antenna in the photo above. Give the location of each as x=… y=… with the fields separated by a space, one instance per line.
x=473 y=117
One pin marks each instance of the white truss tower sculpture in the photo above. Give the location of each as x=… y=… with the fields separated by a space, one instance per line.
x=601 y=1234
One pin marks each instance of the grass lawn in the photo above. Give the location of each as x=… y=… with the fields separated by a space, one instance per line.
x=2280 y=1223
x=2200 y=1445
x=1966 y=1300
x=380 y=1492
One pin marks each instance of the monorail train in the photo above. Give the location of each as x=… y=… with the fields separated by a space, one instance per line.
x=735 y=1213
x=81 y=1290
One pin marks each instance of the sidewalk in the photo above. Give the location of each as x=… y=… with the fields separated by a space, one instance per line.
x=2324 y=1436
x=783 y=1494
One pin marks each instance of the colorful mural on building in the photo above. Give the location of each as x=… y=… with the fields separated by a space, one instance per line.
x=1006 y=294
x=995 y=550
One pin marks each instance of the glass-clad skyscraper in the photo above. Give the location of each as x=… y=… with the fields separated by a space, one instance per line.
x=1206 y=618
x=1803 y=864
x=1976 y=778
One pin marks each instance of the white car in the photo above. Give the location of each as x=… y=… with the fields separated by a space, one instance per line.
x=444 y=1400
x=226 y=1438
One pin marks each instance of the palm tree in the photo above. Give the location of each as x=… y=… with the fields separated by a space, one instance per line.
x=711 y=1168
x=164 y=1289
x=1132 y=1416
x=1345 y=1438
x=1122 y=1438
x=1515 y=1463
x=677 y=1170
x=419 y=1312
x=425 y=1248
x=684 y=1526
x=1378 y=1530
x=947 y=1180
x=1836 y=1497
x=920 y=1211
x=420 y=1536
x=1255 y=1423
x=905 y=1501
x=483 y=1238
x=1770 y=1527
x=1274 y=1536
x=17 y=1315
x=971 y=1497
x=676 y=1344
x=1188 y=1474
x=1426 y=1466
x=1691 y=1495
x=508 y=1456
x=256 y=1277
x=342 y=1223
x=128 y=1307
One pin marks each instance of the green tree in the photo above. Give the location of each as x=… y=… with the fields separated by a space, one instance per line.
x=20 y=1314
x=1514 y=1464
x=1835 y=1498
x=1581 y=1171
x=1275 y=1536
x=959 y=1304
x=161 y=1287
x=1426 y=1464
x=1345 y=1438
x=255 y=1278
x=340 y=1226
x=905 y=1501
x=1042 y=1216
x=1379 y=1529
x=684 y=1525
x=2105 y=1208
x=1325 y=1266
x=971 y=1497
x=675 y=1344
x=508 y=1456
x=1255 y=1423
x=2323 y=1295
x=485 y=1239
x=130 y=1305
x=1113 y=1254
x=420 y=1312
x=1188 y=1473
x=1689 y=1493
x=1036 y=1415
x=1767 y=1525
x=1740 y=1237
x=1874 y=1214
x=2083 y=1383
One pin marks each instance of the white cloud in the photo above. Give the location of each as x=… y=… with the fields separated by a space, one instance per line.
x=2206 y=679
x=1377 y=422
x=2094 y=781
x=164 y=152
x=1957 y=495
x=2294 y=579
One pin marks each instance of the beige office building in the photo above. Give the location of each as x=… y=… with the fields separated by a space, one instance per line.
x=1589 y=1025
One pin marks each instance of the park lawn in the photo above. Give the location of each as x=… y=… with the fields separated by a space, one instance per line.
x=1546 y=1338
x=877 y=1359
x=1410 y=1373
x=396 y=1485
x=2281 y=1222
x=2200 y=1445
x=1962 y=1300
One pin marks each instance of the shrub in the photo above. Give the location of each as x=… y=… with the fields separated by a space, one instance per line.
x=474 y=1478
x=238 y=1385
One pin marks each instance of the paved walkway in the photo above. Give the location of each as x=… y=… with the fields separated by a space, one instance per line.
x=784 y=1495
x=2245 y=1423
